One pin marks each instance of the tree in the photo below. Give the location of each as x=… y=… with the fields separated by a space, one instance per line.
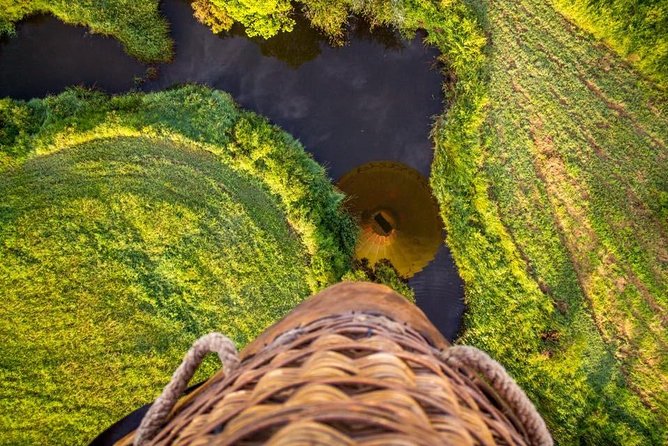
x=264 y=18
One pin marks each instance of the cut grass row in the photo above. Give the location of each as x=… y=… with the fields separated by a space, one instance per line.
x=577 y=162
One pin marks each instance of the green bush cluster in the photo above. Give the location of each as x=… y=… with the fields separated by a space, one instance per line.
x=382 y=272
x=259 y=17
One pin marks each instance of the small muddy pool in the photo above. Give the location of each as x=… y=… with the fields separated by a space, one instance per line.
x=370 y=100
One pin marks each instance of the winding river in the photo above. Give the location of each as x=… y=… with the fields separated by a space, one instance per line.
x=372 y=99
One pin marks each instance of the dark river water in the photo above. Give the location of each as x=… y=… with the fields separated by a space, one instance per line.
x=370 y=100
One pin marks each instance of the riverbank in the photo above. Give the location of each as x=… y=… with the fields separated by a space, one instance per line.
x=138 y=25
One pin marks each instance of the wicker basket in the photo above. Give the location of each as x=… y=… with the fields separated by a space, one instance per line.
x=355 y=364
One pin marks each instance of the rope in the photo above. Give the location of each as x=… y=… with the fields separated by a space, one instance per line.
x=505 y=386
x=163 y=405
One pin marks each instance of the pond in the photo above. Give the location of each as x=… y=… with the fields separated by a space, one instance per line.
x=370 y=100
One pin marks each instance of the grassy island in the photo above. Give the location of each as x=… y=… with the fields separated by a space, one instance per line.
x=138 y=25
x=130 y=226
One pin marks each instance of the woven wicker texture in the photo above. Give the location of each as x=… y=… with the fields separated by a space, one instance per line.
x=364 y=378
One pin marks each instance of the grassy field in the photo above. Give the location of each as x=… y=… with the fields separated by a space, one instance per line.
x=575 y=156
x=131 y=226
x=638 y=31
x=550 y=169
x=138 y=25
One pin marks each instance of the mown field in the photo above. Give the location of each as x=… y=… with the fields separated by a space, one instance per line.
x=636 y=30
x=577 y=162
x=131 y=226
x=550 y=169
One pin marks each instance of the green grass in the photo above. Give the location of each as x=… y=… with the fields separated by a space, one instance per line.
x=637 y=30
x=129 y=227
x=576 y=154
x=138 y=25
x=116 y=254
x=550 y=169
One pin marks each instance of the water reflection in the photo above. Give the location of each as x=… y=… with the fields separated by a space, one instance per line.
x=397 y=214
x=304 y=42
x=369 y=100
x=295 y=48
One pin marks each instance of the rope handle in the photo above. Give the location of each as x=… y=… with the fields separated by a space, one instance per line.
x=499 y=379
x=157 y=414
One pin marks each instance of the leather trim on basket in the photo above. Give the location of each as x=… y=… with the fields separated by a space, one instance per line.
x=357 y=297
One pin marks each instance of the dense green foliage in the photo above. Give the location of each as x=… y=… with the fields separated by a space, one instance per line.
x=262 y=18
x=382 y=272
x=137 y=24
x=638 y=30
x=129 y=226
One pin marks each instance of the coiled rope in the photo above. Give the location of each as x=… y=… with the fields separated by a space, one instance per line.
x=457 y=357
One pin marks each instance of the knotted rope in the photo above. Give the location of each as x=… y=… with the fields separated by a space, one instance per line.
x=457 y=357
x=504 y=385
x=157 y=415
